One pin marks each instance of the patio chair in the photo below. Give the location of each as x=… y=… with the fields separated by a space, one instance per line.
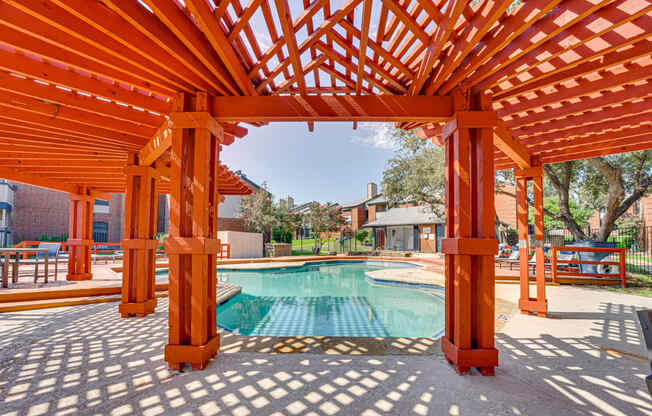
x=54 y=250
x=513 y=258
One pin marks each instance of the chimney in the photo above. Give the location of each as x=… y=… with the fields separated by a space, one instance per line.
x=372 y=190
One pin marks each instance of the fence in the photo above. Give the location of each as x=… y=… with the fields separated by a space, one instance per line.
x=637 y=242
x=331 y=245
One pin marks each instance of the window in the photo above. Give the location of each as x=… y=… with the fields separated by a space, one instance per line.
x=101 y=207
x=100 y=232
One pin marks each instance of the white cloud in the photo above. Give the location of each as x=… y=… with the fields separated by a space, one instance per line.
x=378 y=135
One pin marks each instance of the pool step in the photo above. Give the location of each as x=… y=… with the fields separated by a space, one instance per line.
x=23 y=302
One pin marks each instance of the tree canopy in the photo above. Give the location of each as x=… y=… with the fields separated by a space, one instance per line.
x=574 y=190
x=416 y=172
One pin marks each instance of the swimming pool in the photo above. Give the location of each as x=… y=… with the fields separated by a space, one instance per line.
x=329 y=299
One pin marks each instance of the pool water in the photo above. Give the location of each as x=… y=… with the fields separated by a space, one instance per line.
x=329 y=299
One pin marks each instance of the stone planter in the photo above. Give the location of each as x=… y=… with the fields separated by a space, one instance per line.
x=278 y=249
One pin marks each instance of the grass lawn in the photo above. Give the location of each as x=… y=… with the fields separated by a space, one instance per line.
x=637 y=284
x=305 y=246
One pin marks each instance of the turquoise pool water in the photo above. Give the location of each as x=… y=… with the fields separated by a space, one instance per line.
x=329 y=299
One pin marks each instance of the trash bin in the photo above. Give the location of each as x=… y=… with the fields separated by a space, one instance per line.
x=594 y=256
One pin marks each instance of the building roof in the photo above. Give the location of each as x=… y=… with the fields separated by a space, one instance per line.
x=377 y=200
x=249 y=182
x=405 y=216
x=306 y=207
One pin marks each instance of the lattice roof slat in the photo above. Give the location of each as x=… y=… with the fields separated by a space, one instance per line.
x=97 y=76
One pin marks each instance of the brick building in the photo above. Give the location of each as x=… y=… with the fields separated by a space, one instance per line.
x=31 y=213
x=506 y=206
x=38 y=212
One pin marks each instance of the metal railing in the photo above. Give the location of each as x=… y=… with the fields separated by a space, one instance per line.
x=637 y=242
x=331 y=245
x=572 y=267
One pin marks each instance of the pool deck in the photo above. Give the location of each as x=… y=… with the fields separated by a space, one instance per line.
x=83 y=360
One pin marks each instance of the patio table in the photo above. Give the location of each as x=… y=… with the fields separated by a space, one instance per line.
x=6 y=252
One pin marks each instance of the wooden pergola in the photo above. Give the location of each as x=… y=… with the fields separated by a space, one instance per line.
x=139 y=96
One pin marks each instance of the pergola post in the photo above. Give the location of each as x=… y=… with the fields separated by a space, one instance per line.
x=526 y=303
x=80 y=236
x=139 y=244
x=193 y=245
x=470 y=243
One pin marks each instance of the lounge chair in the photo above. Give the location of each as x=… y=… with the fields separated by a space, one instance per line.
x=511 y=260
x=515 y=258
x=54 y=252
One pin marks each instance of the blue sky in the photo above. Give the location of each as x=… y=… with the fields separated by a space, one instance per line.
x=333 y=163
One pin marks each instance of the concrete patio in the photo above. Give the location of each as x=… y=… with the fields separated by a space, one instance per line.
x=585 y=359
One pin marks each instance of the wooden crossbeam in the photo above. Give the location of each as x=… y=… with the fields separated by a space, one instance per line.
x=607 y=58
x=113 y=25
x=609 y=81
x=607 y=99
x=157 y=145
x=364 y=39
x=129 y=131
x=142 y=20
x=17 y=113
x=332 y=108
x=632 y=120
x=37 y=180
x=55 y=95
x=283 y=10
x=28 y=30
x=204 y=17
x=552 y=47
x=192 y=38
x=28 y=67
x=442 y=33
x=585 y=119
x=477 y=27
x=510 y=146
x=598 y=139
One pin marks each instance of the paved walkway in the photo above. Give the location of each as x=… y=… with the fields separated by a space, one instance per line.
x=85 y=360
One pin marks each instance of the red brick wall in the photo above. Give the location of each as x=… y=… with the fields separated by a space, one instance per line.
x=358 y=217
x=506 y=206
x=230 y=224
x=40 y=211
x=646 y=210
x=372 y=213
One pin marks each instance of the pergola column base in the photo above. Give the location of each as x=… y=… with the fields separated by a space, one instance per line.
x=138 y=309
x=470 y=244
x=527 y=303
x=533 y=305
x=139 y=244
x=197 y=356
x=79 y=277
x=463 y=359
x=193 y=245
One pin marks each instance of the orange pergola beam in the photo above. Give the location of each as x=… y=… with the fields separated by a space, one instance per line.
x=332 y=108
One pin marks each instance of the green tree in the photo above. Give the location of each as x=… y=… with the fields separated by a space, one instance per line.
x=257 y=211
x=361 y=235
x=416 y=172
x=580 y=213
x=324 y=218
x=610 y=183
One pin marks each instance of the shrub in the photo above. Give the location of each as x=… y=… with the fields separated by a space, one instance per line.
x=282 y=236
x=511 y=236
